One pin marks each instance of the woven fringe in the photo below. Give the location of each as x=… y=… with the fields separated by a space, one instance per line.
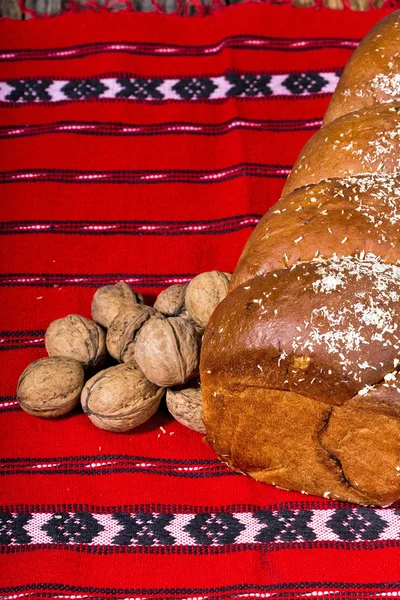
x=199 y=8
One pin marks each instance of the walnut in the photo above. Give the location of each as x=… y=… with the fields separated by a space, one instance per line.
x=204 y=293
x=79 y=338
x=170 y=302
x=109 y=300
x=50 y=387
x=122 y=332
x=120 y=398
x=185 y=315
x=167 y=351
x=185 y=406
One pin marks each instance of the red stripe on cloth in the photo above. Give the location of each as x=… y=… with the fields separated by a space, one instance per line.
x=82 y=215
x=197 y=573
x=203 y=201
x=215 y=152
x=55 y=269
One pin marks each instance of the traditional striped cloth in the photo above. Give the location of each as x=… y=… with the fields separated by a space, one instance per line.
x=146 y=148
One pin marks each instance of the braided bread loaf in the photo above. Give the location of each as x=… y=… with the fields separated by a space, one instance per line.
x=300 y=363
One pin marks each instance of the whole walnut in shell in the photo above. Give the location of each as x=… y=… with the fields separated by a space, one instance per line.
x=109 y=300
x=50 y=387
x=79 y=338
x=204 y=293
x=170 y=302
x=167 y=351
x=185 y=405
x=122 y=332
x=120 y=398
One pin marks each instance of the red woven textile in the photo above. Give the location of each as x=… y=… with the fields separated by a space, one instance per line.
x=146 y=148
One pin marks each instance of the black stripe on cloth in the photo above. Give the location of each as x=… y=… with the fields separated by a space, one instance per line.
x=92 y=280
x=196 y=532
x=201 y=87
x=192 y=550
x=21 y=340
x=114 y=463
x=314 y=504
x=200 y=227
x=9 y=404
x=234 y=42
x=110 y=128
x=339 y=590
x=209 y=176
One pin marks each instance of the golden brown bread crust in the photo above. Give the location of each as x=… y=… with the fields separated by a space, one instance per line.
x=344 y=453
x=300 y=386
x=340 y=315
x=300 y=363
x=365 y=141
x=342 y=216
x=372 y=75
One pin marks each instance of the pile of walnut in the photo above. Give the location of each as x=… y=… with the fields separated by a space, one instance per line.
x=158 y=348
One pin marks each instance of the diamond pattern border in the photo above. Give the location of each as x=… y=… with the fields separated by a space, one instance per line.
x=357 y=524
x=153 y=89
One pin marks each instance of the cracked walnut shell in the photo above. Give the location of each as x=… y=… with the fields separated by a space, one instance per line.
x=168 y=350
x=50 y=387
x=120 y=398
x=109 y=300
x=185 y=406
x=204 y=293
x=122 y=332
x=79 y=338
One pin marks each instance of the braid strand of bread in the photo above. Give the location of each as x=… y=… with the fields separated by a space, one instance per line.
x=300 y=364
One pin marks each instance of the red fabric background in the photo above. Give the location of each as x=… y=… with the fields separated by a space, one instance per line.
x=47 y=275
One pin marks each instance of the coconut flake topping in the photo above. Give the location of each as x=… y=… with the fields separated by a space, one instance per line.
x=362 y=317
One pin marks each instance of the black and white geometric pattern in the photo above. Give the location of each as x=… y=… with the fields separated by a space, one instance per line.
x=137 y=529
x=145 y=529
x=139 y=88
x=285 y=525
x=219 y=87
x=363 y=523
x=199 y=88
x=12 y=528
x=29 y=90
x=251 y=85
x=304 y=83
x=84 y=89
x=72 y=528
x=218 y=528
